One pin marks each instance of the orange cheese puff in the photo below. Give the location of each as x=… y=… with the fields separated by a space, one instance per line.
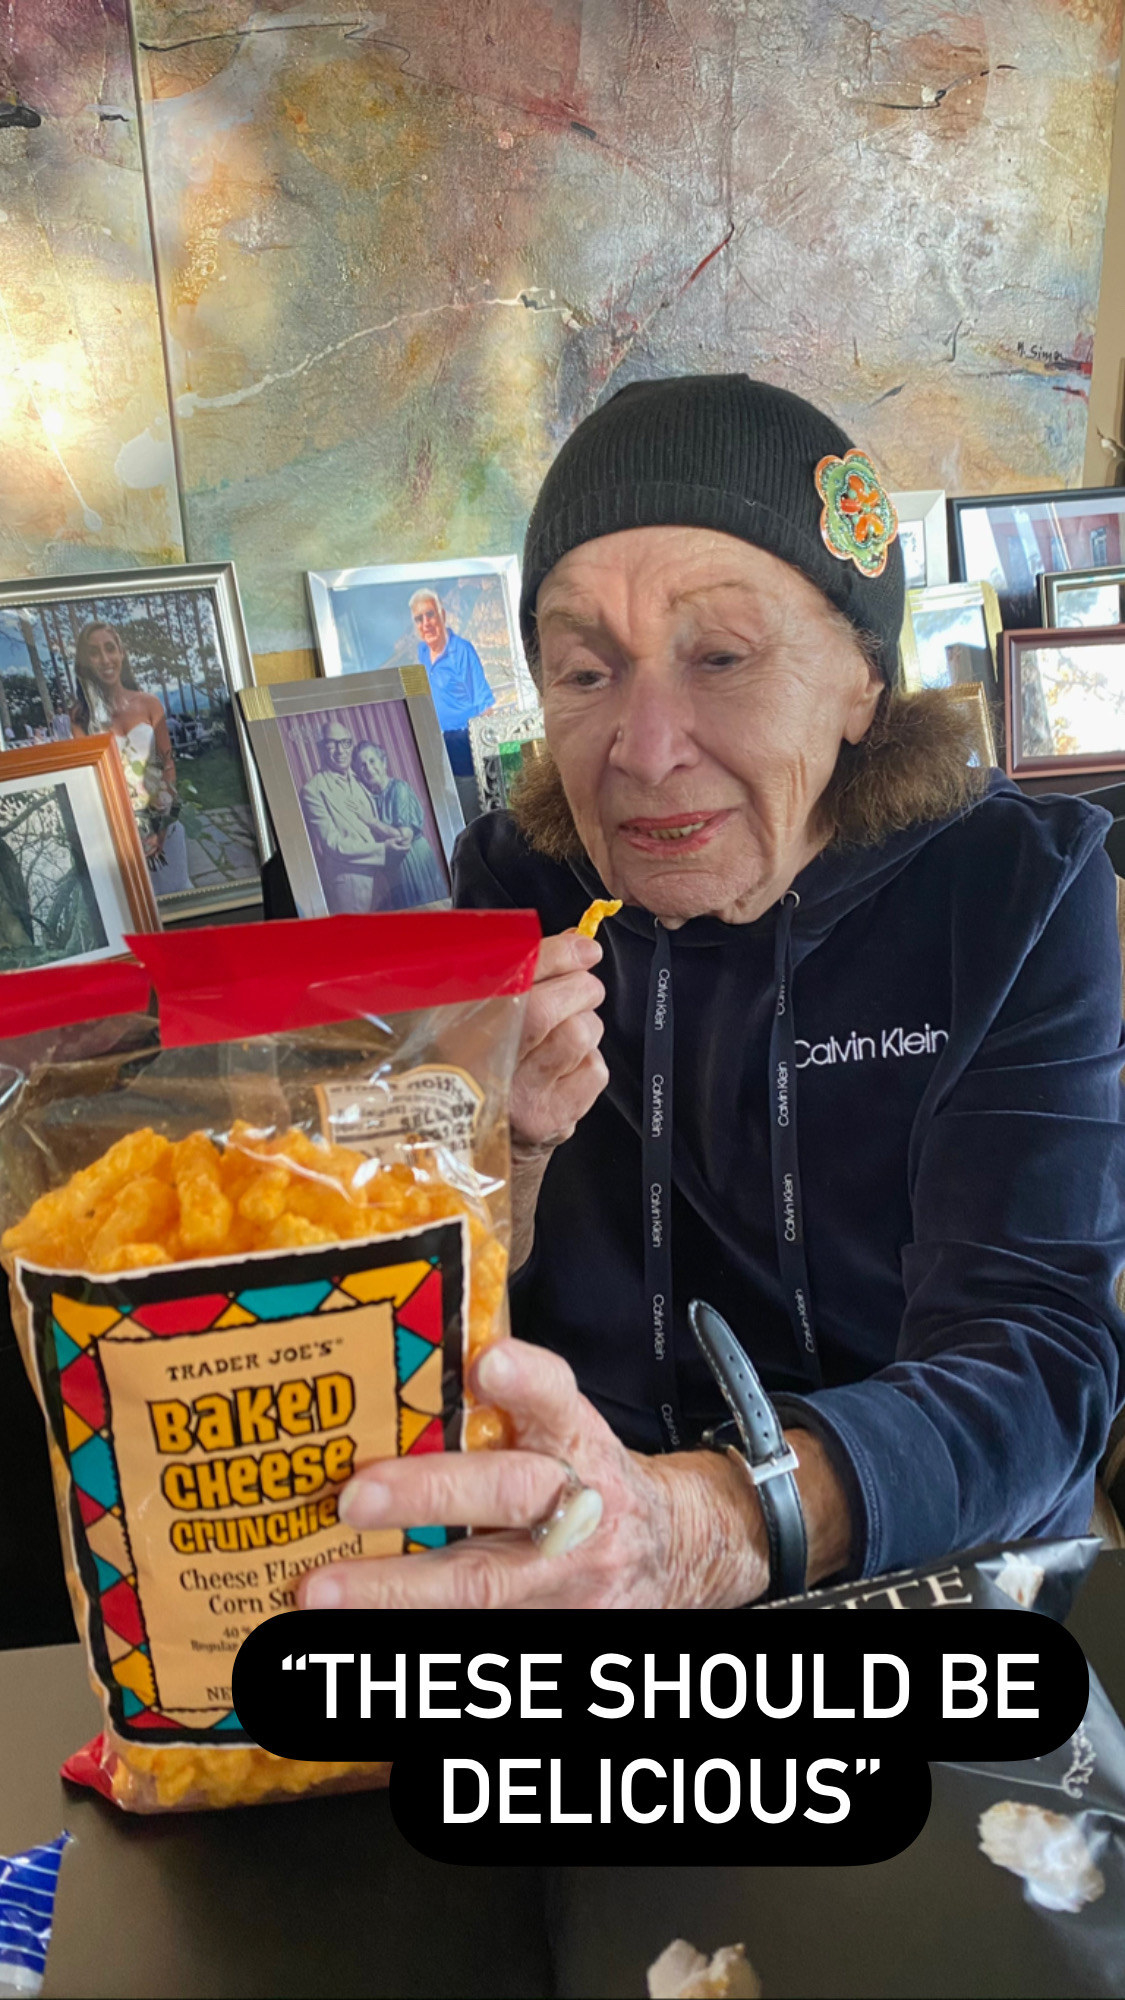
x=141 y=1213
x=63 y=1216
x=597 y=912
x=205 y=1212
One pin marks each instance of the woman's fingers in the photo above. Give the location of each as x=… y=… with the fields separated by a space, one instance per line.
x=562 y=1050
x=558 y=1075
x=548 y=1110
x=557 y=1000
x=488 y=1575
x=556 y=1083
x=565 y=952
x=539 y=1392
x=470 y=1489
x=503 y=1489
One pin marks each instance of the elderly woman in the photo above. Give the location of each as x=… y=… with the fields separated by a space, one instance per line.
x=889 y=1150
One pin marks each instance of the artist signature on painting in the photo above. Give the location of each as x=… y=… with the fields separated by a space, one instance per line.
x=1049 y=357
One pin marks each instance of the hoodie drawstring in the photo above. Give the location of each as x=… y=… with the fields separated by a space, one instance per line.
x=787 y=1209
x=656 y=1154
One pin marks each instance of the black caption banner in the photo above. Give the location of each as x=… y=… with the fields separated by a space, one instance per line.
x=583 y=1736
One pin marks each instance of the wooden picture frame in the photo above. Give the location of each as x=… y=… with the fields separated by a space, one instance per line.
x=74 y=882
x=1054 y=695
x=328 y=807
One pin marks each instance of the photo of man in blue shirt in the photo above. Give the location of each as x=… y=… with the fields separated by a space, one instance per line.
x=458 y=682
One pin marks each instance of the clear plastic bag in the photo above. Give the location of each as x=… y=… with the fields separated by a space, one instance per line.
x=249 y=1249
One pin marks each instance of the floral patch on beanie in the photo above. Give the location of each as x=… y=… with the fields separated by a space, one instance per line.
x=858 y=522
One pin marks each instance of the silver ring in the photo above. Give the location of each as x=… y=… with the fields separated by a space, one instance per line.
x=572 y=1520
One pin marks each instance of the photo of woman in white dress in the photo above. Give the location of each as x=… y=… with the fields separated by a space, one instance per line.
x=109 y=700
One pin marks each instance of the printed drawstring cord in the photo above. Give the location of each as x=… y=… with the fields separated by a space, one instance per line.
x=656 y=1156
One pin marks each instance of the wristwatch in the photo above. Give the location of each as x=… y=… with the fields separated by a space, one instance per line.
x=764 y=1456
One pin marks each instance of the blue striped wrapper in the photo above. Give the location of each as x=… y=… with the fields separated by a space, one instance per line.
x=27 y=1906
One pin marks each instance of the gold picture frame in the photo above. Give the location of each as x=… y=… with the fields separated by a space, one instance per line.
x=971 y=695
x=950 y=634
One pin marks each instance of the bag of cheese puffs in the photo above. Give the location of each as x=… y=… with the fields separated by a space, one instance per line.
x=254 y=1235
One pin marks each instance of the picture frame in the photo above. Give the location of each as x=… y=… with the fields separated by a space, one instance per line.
x=350 y=768
x=923 y=536
x=74 y=882
x=371 y=618
x=949 y=637
x=1011 y=539
x=971 y=696
x=1076 y=597
x=179 y=640
x=502 y=745
x=1064 y=700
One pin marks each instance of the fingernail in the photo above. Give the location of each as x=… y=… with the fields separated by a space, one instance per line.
x=364 y=1503
x=495 y=1371
x=323 y=1593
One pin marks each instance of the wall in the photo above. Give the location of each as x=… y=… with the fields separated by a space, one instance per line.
x=402 y=249
x=1107 y=387
x=87 y=479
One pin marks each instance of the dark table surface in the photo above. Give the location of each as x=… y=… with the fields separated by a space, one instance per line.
x=326 y=1898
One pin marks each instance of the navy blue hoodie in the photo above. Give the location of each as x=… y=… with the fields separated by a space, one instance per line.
x=956 y=996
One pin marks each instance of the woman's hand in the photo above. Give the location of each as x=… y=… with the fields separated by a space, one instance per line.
x=677 y=1531
x=560 y=1071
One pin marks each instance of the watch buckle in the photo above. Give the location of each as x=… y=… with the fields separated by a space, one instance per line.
x=778 y=1463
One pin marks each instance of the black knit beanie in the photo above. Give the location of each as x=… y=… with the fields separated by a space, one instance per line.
x=725 y=452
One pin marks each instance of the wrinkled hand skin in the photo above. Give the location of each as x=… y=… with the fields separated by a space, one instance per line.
x=560 y=1070
x=680 y=1531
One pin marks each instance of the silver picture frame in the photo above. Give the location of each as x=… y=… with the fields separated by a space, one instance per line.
x=923 y=536
x=44 y=615
x=488 y=736
x=343 y=651
x=1082 y=597
x=267 y=711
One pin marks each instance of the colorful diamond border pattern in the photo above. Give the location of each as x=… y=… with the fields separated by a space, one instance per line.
x=80 y=1311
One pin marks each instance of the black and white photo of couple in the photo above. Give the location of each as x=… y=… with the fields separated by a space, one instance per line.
x=374 y=845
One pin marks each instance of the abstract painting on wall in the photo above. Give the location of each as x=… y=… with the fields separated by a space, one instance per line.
x=402 y=248
x=89 y=473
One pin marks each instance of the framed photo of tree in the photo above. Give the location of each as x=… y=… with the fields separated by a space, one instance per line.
x=152 y=658
x=1064 y=700
x=74 y=881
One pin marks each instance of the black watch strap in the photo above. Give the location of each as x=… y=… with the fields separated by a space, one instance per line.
x=768 y=1461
